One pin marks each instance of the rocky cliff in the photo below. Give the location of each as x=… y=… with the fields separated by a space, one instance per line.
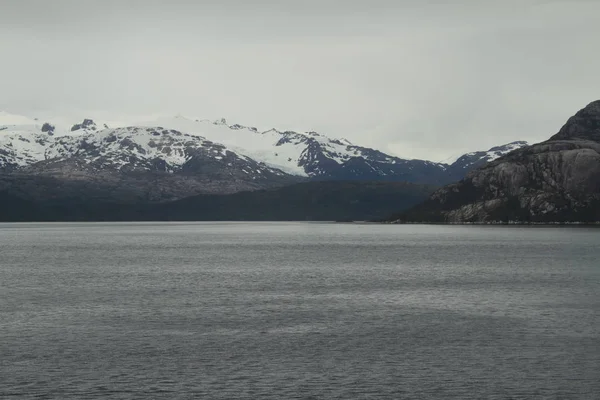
x=554 y=181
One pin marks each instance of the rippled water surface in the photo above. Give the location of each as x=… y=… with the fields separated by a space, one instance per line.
x=298 y=311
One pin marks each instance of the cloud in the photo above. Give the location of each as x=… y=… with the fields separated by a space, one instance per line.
x=424 y=79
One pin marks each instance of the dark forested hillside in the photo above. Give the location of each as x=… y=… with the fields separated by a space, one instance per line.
x=316 y=201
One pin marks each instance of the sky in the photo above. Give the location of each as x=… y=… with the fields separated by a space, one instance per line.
x=425 y=79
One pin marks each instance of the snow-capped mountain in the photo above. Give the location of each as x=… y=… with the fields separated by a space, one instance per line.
x=130 y=149
x=473 y=160
x=309 y=154
x=155 y=162
x=186 y=156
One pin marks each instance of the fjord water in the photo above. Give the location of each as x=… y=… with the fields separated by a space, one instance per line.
x=298 y=311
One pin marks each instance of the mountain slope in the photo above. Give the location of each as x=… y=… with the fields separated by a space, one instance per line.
x=315 y=201
x=557 y=180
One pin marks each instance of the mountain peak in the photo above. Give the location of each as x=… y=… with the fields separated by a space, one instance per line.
x=583 y=125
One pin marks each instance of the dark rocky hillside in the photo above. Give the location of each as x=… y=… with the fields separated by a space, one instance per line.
x=554 y=181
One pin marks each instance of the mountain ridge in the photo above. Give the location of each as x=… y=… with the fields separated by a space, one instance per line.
x=205 y=156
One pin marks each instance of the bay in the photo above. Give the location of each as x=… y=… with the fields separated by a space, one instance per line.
x=298 y=311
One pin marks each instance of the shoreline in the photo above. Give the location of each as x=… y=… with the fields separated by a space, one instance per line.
x=511 y=223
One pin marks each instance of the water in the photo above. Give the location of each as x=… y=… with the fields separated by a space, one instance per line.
x=298 y=311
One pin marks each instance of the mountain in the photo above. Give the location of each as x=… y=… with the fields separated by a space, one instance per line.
x=311 y=154
x=314 y=201
x=149 y=163
x=470 y=161
x=172 y=158
x=320 y=157
x=554 y=181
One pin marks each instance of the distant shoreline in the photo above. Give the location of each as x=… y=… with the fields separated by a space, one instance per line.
x=341 y=222
x=495 y=223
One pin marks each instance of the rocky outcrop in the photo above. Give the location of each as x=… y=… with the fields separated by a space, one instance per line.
x=557 y=180
x=86 y=124
x=48 y=128
x=583 y=125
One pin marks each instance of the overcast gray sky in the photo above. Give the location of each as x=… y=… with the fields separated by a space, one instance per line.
x=419 y=78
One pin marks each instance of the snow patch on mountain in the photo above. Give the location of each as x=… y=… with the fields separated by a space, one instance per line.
x=21 y=147
x=476 y=158
x=497 y=152
x=490 y=155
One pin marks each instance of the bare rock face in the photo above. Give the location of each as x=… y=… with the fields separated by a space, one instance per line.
x=583 y=125
x=554 y=181
x=86 y=124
